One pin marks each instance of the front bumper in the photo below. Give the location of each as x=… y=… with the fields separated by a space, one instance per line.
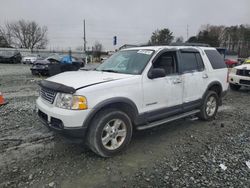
x=39 y=70
x=67 y=122
x=239 y=80
x=57 y=126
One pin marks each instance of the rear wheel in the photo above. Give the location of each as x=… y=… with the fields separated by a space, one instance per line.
x=210 y=106
x=109 y=133
x=235 y=87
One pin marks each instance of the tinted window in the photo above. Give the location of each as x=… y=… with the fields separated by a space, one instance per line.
x=167 y=61
x=199 y=62
x=189 y=62
x=216 y=59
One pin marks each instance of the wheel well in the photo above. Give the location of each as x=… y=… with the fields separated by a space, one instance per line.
x=216 y=88
x=128 y=109
x=123 y=106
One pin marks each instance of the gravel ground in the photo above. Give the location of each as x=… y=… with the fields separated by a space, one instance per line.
x=185 y=153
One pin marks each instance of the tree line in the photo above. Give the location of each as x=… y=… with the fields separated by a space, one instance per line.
x=236 y=39
x=23 y=34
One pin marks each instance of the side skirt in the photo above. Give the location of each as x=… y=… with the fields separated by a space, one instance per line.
x=167 y=120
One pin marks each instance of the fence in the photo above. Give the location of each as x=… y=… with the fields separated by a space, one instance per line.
x=44 y=52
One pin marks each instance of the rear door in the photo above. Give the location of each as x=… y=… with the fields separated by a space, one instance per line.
x=194 y=78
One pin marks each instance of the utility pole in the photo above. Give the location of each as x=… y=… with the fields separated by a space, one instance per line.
x=187 y=31
x=84 y=36
x=84 y=42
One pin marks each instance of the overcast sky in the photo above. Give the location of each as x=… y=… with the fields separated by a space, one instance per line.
x=132 y=21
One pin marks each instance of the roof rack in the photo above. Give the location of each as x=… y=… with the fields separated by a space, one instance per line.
x=190 y=44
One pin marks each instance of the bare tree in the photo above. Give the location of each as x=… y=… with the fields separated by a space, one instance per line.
x=5 y=33
x=3 y=42
x=210 y=34
x=25 y=34
x=97 y=49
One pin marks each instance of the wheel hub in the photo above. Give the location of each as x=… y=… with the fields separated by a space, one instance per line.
x=211 y=106
x=114 y=133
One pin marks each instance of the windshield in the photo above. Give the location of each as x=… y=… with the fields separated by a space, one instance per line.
x=127 y=62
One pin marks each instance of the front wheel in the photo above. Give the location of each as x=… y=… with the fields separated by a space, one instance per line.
x=109 y=133
x=210 y=106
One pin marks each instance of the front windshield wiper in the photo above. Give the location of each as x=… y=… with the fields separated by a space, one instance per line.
x=109 y=70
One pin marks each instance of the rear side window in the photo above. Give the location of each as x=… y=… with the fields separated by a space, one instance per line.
x=191 y=62
x=216 y=59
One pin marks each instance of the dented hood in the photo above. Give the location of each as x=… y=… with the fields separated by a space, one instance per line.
x=81 y=78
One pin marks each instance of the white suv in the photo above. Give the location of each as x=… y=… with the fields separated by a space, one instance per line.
x=136 y=88
x=240 y=76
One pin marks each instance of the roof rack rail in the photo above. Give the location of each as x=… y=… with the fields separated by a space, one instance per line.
x=190 y=44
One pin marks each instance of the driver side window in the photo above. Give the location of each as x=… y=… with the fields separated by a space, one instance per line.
x=168 y=62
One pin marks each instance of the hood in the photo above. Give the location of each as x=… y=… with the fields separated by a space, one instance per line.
x=81 y=78
x=243 y=66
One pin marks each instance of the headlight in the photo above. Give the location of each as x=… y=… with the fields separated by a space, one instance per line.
x=71 y=102
x=233 y=71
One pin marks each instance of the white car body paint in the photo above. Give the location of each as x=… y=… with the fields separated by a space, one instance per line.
x=145 y=93
x=235 y=79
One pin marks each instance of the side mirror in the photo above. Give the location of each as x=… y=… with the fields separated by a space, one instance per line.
x=156 y=73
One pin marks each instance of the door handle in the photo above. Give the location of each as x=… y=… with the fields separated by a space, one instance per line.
x=205 y=76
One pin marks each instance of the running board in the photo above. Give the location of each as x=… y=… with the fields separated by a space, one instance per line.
x=167 y=120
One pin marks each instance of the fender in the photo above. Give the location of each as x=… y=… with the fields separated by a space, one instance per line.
x=111 y=101
x=214 y=83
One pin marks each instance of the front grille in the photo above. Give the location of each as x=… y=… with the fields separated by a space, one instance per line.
x=243 y=72
x=246 y=82
x=48 y=95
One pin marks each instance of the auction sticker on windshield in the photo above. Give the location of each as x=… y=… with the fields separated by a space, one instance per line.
x=147 y=52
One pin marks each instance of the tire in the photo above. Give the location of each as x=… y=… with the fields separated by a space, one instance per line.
x=103 y=135
x=209 y=107
x=234 y=87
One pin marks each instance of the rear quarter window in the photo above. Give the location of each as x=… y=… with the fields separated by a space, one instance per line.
x=216 y=59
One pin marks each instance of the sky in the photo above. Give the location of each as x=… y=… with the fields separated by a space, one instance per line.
x=132 y=21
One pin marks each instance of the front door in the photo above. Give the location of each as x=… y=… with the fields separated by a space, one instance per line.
x=163 y=96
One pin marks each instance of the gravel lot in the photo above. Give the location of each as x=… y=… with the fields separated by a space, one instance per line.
x=185 y=153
